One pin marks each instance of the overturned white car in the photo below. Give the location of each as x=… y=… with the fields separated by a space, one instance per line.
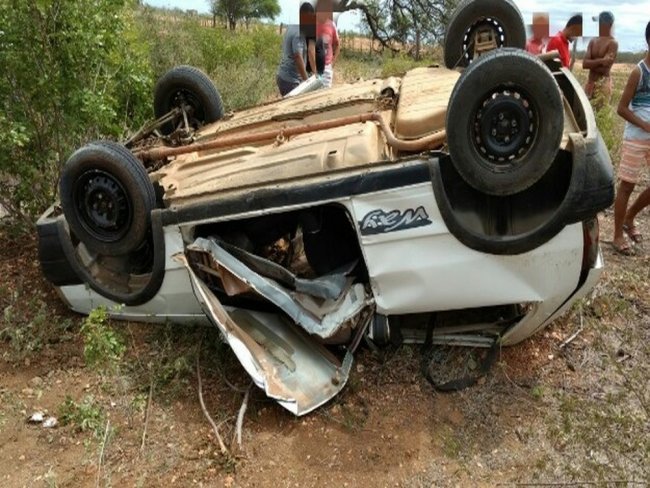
x=302 y=226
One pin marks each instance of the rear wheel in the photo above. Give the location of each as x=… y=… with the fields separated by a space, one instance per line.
x=191 y=90
x=107 y=198
x=480 y=25
x=504 y=122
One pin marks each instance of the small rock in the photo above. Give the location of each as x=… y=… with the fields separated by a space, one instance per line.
x=21 y=458
x=28 y=391
x=36 y=381
x=50 y=423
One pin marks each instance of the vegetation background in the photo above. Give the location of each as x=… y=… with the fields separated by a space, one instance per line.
x=552 y=412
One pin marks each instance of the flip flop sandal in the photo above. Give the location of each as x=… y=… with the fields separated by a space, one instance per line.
x=633 y=233
x=624 y=250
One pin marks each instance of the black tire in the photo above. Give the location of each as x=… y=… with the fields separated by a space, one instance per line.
x=502 y=16
x=107 y=198
x=504 y=122
x=191 y=86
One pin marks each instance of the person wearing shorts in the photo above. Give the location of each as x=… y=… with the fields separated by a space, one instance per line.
x=599 y=59
x=634 y=107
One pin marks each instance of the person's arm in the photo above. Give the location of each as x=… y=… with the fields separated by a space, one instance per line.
x=298 y=47
x=311 y=55
x=624 y=104
x=608 y=60
x=300 y=66
x=610 y=56
x=588 y=62
x=336 y=45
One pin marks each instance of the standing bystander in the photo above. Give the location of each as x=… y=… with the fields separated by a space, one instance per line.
x=560 y=42
x=293 y=69
x=326 y=31
x=634 y=107
x=599 y=58
x=536 y=44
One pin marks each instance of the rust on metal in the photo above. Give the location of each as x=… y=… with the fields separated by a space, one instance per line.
x=429 y=142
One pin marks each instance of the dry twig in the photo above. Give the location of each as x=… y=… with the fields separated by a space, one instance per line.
x=101 y=453
x=573 y=336
x=240 y=416
x=146 y=416
x=215 y=429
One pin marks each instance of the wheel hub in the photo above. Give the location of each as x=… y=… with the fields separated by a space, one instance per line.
x=504 y=126
x=484 y=35
x=103 y=206
x=187 y=101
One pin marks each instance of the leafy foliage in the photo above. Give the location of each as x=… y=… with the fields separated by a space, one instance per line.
x=71 y=72
x=103 y=349
x=241 y=63
x=86 y=416
x=28 y=324
x=404 y=26
x=234 y=11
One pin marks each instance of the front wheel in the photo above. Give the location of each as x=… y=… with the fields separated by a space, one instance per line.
x=504 y=122
x=107 y=198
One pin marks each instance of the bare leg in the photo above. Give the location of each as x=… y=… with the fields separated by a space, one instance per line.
x=642 y=201
x=620 y=210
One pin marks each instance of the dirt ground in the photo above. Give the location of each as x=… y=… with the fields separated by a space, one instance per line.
x=549 y=412
x=545 y=413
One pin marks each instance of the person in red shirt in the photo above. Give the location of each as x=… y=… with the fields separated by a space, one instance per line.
x=326 y=31
x=535 y=44
x=561 y=41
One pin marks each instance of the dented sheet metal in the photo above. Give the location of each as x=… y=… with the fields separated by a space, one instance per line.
x=288 y=365
x=329 y=287
x=322 y=318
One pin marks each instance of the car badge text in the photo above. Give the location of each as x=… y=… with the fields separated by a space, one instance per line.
x=380 y=222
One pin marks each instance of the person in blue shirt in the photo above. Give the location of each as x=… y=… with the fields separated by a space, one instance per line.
x=634 y=107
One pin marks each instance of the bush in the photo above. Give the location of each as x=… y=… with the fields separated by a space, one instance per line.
x=103 y=349
x=86 y=416
x=71 y=72
x=241 y=63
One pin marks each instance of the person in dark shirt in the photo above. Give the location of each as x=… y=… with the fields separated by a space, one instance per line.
x=561 y=41
x=298 y=43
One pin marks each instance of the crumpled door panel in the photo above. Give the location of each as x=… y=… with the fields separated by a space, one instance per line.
x=283 y=354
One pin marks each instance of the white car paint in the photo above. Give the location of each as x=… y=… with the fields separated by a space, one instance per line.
x=427 y=269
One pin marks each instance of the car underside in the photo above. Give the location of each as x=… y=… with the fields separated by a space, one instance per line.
x=442 y=207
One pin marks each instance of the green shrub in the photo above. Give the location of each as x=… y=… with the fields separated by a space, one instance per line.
x=241 y=63
x=28 y=325
x=71 y=72
x=103 y=349
x=86 y=416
